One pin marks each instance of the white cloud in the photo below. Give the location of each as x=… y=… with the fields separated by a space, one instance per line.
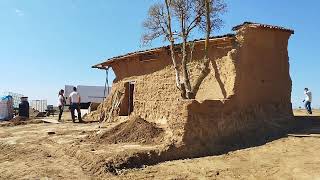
x=19 y=12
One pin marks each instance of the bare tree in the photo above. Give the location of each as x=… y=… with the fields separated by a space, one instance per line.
x=175 y=20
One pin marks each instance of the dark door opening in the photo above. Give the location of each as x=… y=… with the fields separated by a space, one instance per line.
x=131 y=91
x=126 y=106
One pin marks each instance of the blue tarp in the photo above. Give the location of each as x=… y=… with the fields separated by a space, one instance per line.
x=6 y=98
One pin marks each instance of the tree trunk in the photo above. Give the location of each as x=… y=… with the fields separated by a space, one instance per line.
x=176 y=69
x=171 y=39
x=205 y=70
x=186 y=78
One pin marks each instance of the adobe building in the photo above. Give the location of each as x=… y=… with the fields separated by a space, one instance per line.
x=246 y=97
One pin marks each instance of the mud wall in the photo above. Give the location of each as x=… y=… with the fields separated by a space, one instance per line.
x=263 y=66
x=260 y=107
x=226 y=128
x=219 y=84
x=156 y=98
x=134 y=66
x=244 y=101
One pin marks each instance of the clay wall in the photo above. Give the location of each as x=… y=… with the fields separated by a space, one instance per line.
x=156 y=95
x=260 y=107
x=156 y=98
x=249 y=73
x=244 y=100
x=134 y=66
x=263 y=67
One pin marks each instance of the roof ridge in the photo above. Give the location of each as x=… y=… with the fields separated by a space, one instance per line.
x=166 y=46
x=248 y=23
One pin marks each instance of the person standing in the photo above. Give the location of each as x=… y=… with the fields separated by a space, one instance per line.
x=308 y=99
x=75 y=100
x=61 y=103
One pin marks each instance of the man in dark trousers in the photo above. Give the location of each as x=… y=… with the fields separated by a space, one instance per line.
x=307 y=100
x=75 y=100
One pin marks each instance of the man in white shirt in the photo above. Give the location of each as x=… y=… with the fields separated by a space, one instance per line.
x=61 y=103
x=308 y=100
x=75 y=99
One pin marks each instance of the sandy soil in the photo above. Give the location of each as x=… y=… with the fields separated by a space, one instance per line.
x=47 y=150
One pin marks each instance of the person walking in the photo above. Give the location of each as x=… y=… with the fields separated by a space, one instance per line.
x=75 y=100
x=308 y=99
x=61 y=103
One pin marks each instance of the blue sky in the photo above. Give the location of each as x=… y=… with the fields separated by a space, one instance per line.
x=46 y=44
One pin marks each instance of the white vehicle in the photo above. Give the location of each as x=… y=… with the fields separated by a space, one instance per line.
x=89 y=94
x=39 y=105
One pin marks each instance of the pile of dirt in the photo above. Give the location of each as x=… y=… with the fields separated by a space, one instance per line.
x=19 y=120
x=41 y=114
x=136 y=130
x=33 y=113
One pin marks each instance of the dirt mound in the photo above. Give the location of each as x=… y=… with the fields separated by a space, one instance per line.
x=41 y=114
x=33 y=113
x=19 y=120
x=135 y=129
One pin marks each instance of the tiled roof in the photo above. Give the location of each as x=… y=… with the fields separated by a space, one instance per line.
x=261 y=25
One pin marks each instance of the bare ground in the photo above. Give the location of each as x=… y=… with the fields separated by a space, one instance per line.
x=57 y=151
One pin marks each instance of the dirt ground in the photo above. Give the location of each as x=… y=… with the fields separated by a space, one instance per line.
x=56 y=151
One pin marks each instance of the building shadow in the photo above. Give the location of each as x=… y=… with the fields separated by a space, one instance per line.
x=303 y=126
x=306 y=126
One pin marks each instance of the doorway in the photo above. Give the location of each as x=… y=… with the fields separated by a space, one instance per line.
x=131 y=91
x=127 y=104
